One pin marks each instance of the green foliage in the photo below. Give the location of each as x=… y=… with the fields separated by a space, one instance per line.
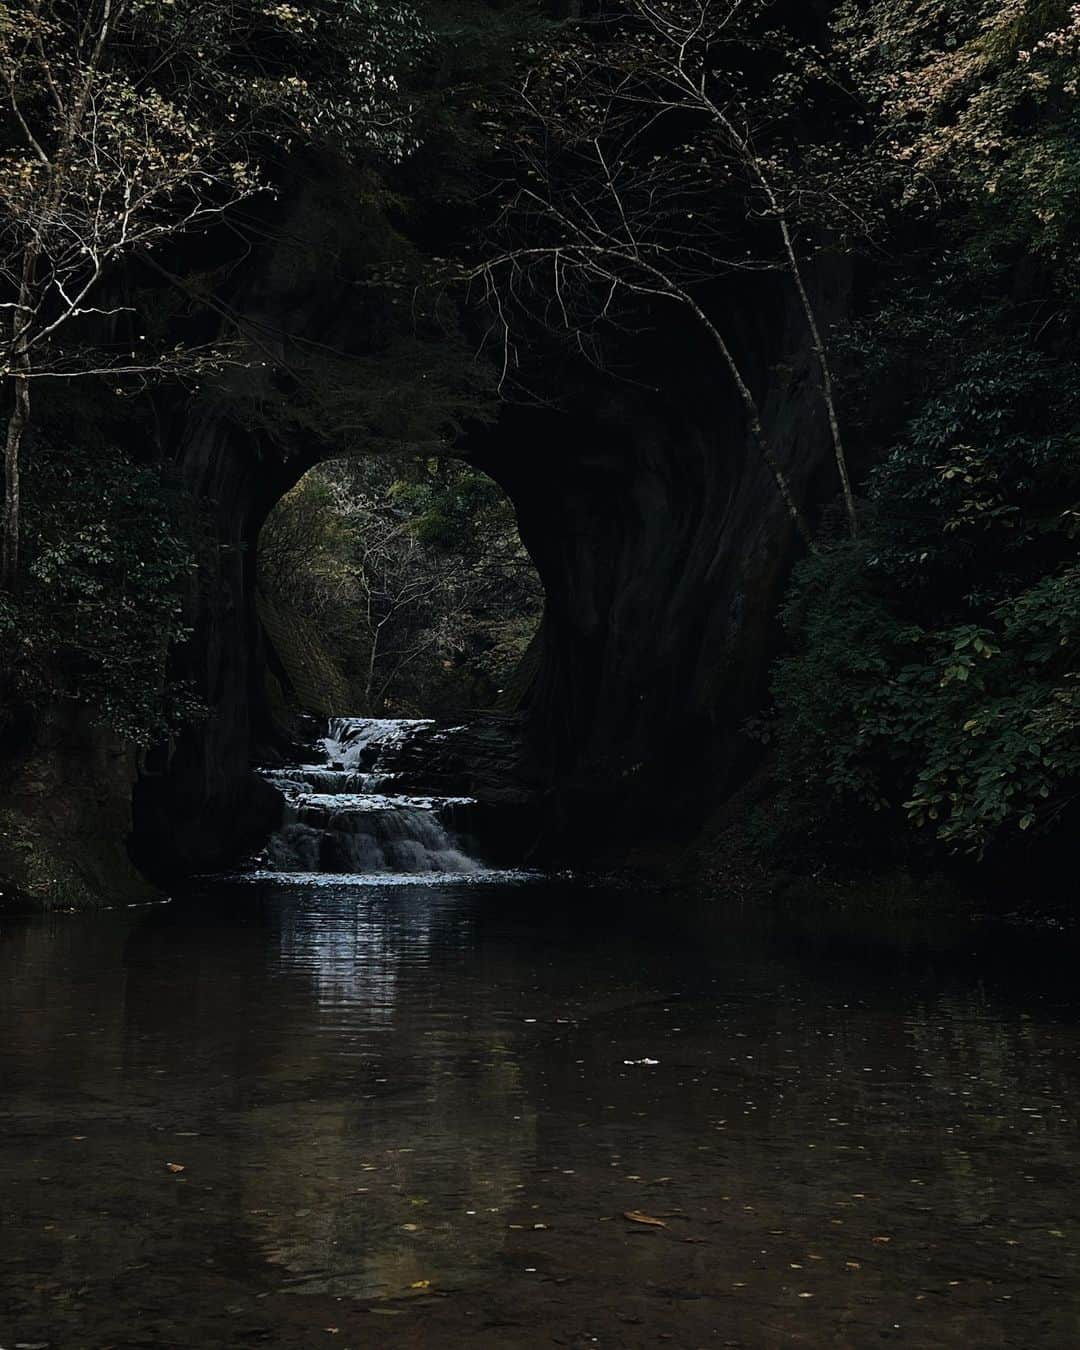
x=100 y=599
x=408 y=576
x=935 y=664
x=983 y=489
x=452 y=506
x=970 y=731
x=929 y=699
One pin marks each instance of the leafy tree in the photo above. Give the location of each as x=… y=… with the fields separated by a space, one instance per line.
x=932 y=682
x=633 y=145
x=100 y=603
x=135 y=121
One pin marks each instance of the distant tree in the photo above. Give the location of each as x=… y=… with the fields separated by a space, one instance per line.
x=411 y=573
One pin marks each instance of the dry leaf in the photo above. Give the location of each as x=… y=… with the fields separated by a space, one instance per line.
x=882 y=1241
x=175 y=1167
x=636 y=1216
x=420 y=1284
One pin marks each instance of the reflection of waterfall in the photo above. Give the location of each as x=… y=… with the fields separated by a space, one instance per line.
x=340 y=818
x=352 y=955
x=395 y=1151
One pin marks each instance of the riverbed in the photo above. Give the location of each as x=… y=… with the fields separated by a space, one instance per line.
x=517 y=1112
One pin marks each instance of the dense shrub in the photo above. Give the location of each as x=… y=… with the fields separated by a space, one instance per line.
x=100 y=597
x=930 y=698
x=934 y=671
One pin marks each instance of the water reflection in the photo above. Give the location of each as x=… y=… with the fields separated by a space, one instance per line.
x=374 y=1091
x=352 y=950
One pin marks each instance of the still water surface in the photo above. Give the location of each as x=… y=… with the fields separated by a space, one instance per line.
x=412 y=1115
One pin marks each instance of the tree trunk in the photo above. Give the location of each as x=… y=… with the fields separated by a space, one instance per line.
x=754 y=418
x=753 y=162
x=16 y=427
x=827 y=393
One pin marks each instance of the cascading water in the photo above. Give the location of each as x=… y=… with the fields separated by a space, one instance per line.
x=342 y=815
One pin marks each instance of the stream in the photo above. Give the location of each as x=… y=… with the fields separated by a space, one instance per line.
x=333 y=1103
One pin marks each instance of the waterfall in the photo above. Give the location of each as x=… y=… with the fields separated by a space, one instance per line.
x=343 y=816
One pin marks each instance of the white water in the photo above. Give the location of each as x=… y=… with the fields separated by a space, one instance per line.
x=340 y=818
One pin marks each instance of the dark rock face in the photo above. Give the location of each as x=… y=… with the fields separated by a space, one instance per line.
x=664 y=549
x=196 y=802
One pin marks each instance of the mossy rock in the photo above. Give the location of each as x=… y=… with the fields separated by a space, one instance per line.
x=41 y=873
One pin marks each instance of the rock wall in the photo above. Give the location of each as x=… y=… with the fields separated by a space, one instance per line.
x=664 y=550
x=65 y=816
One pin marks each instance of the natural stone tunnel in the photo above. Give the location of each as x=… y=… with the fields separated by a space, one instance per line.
x=657 y=531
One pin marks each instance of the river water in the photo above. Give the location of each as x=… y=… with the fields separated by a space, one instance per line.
x=418 y=1115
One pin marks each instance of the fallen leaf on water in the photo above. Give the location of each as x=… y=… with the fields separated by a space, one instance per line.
x=636 y=1216
x=175 y=1167
x=806 y=1294
x=420 y=1284
x=410 y=1227
x=881 y=1241
x=853 y=1265
x=333 y=1331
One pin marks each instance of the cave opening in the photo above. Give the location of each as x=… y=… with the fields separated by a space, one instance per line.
x=394 y=602
x=393 y=586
